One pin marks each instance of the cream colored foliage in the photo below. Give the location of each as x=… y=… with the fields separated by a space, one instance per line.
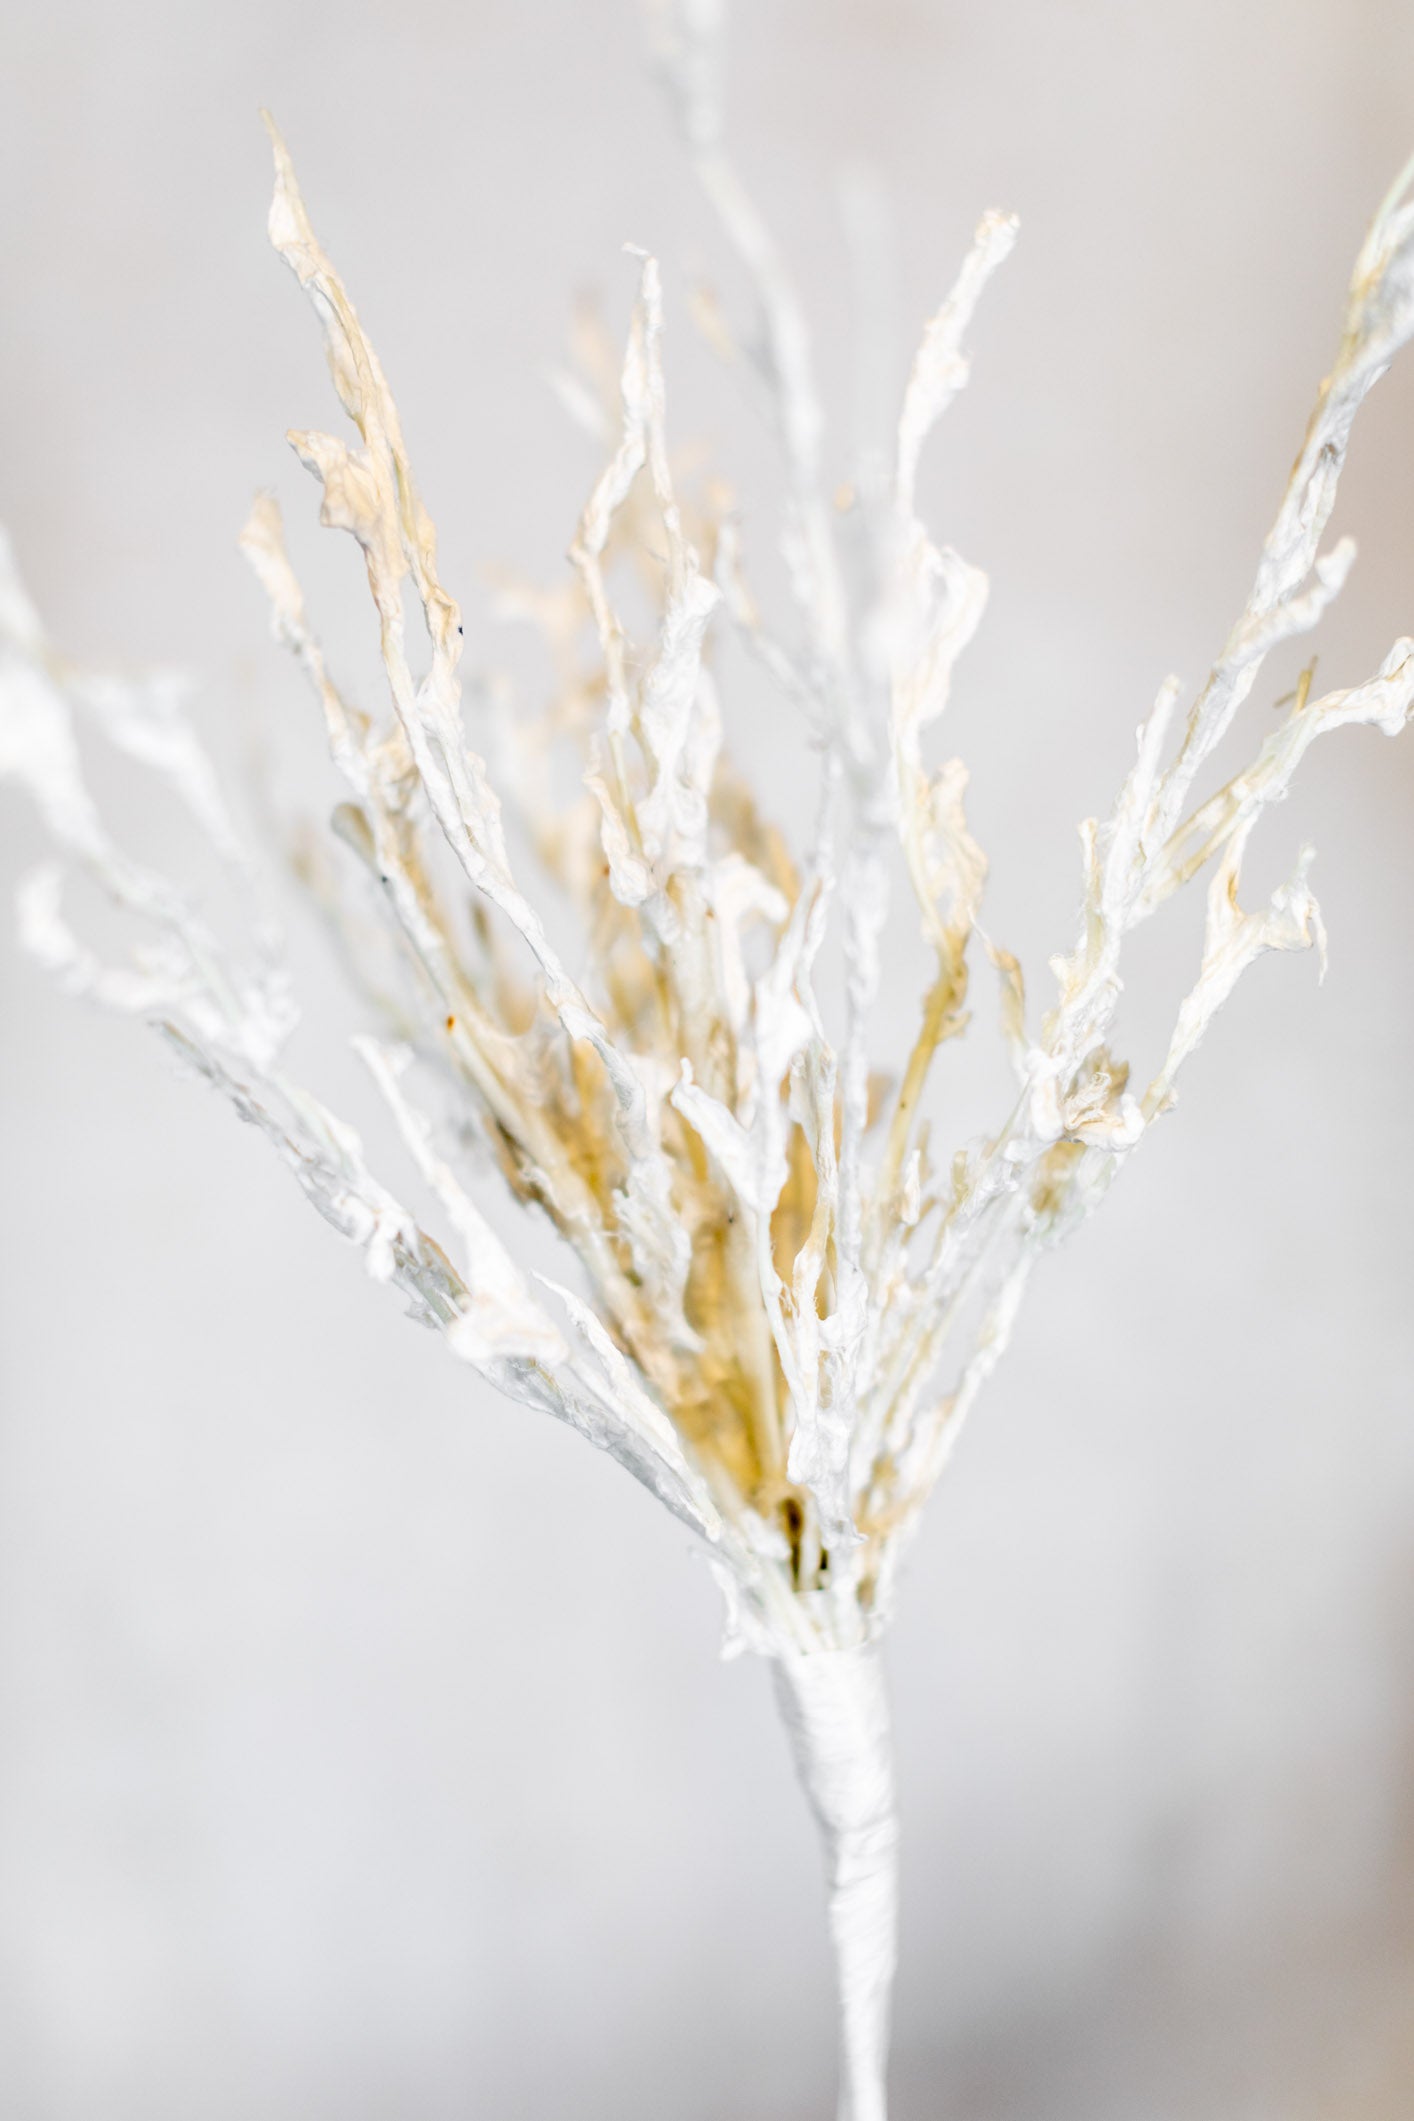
x=776 y=1265
x=785 y=1300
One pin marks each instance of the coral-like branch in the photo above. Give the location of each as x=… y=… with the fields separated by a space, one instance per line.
x=773 y=1263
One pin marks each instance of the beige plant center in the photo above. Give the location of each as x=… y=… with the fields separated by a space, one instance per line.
x=790 y=1292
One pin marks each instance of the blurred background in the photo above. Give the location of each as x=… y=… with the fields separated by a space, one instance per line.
x=364 y=1751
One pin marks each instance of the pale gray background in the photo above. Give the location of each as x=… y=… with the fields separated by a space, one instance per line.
x=363 y=1751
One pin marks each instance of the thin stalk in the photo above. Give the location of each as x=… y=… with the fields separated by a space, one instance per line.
x=836 y=1715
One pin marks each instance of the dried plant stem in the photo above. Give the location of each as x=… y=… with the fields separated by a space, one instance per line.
x=787 y=1283
x=836 y=1714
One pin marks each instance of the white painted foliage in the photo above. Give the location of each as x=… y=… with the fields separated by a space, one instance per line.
x=775 y=1268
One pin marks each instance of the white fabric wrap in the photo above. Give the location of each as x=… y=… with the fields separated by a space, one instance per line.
x=836 y=1712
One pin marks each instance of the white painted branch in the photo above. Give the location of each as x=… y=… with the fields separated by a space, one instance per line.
x=836 y=1713
x=767 y=1299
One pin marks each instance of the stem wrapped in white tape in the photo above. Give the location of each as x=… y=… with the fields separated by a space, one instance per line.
x=787 y=1288
x=836 y=1713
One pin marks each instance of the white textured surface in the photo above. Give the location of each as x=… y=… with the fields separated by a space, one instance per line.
x=837 y=1719
x=1149 y=1671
